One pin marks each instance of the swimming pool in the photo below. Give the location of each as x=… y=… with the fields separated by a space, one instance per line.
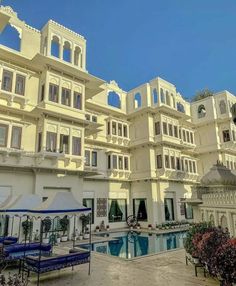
x=129 y=245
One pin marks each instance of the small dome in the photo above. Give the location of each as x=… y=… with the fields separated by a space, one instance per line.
x=219 y=175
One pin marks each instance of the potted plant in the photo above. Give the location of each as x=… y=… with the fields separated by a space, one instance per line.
x=108 y=227
x=36 y=235
x=64 y=222
x=138 y=225
x=85 y=221
x=86 y=233
x=58 y=238
x=46 y=226
x=97 y=229
x=150 y=226
x=27 y=226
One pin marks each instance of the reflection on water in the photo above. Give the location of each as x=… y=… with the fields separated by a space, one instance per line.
x=132 y=244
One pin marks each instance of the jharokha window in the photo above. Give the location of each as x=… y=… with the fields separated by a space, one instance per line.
x=20 y=84
x=51 y=143
x=3 y=135
x=65 y=96
x=76 y=146
x=7 y=80
x=64 y=144
x=16 y=137
x=53 y=92
x=77 y=100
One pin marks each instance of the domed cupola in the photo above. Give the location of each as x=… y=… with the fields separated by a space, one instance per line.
x=219 y=175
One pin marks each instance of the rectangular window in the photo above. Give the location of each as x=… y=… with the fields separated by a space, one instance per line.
x=3 y=135
x=140 y=209
x=16 y=137
x=172 y=160
x=176 y=131
x=126 y=163
x=119 y=129
x=120 y=163
x=65 y=96
x=226 y=136
x=125 y=130
x=159 y=161
x=169 y=209
x=167 y=162
x=194 y=167
x=157 y=128
x=94 y=158
x=170 y=130
x=109 y=161
x=190 y=167
x=87 y=117
x=188 y=211
x=184 y=136
x=76 y=146
x=191 y=137
x=114 y=161
x=51 y=142
x=7 y=77
x=164 y=128
x=180 y=134
x=108 y=128
x=117 y=210
x=178 y=164
x=53 y=92
x=87 y=157
x=188 y=139
x=77 y=103
x=186 y=165
x=20 y=84
x=113 y=128
x=233 y=135
x=64 y=144
x=182 y=165
x=89 y=203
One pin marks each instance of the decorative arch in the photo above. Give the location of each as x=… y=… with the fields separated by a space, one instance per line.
x=222 y=106
x=77 y=56
x=11 y=37
x=167 y=98
x=223 y=222
x=201 y=111
x=137 y=100
x=67 y=51
x=55 y=46
x=154 y=96
x=113 y=99
x=212 y=219
x=163 y=100
x=180 y=107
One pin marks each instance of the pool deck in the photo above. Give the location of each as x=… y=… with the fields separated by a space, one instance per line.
x=166 y=269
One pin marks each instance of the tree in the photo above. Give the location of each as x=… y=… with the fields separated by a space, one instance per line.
x=202 y=94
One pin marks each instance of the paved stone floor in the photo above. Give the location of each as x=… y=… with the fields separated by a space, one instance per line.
x=162 y=269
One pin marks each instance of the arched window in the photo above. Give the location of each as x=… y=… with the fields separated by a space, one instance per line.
x=180 y=107
x=211 y=219
x=113 y=99
x=55 y=47
x=154 y=96
x=162 y=96
x=137 y=100
x=222 y=107
x=77 y=55
x=10 y=38
x=201 y=111
x=167 y=98
x=67 y=52
x=223 y=222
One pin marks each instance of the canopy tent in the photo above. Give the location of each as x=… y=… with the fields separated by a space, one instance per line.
x=20 y=205
x=59 y=205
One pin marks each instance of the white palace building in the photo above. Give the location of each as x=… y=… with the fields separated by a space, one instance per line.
x=121 y=152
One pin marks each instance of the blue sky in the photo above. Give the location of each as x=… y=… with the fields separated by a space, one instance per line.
x=187 y=42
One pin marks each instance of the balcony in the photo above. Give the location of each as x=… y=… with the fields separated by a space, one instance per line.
x=229 y=146
x=118 y=140
x=7 y=152
x=178 y=175
x=119 y=174
x=12 y=98
x=166 y=139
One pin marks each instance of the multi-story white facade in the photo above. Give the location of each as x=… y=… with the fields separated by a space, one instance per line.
x=123 y=153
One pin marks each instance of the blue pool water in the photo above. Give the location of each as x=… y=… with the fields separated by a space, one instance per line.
x=132 y=244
